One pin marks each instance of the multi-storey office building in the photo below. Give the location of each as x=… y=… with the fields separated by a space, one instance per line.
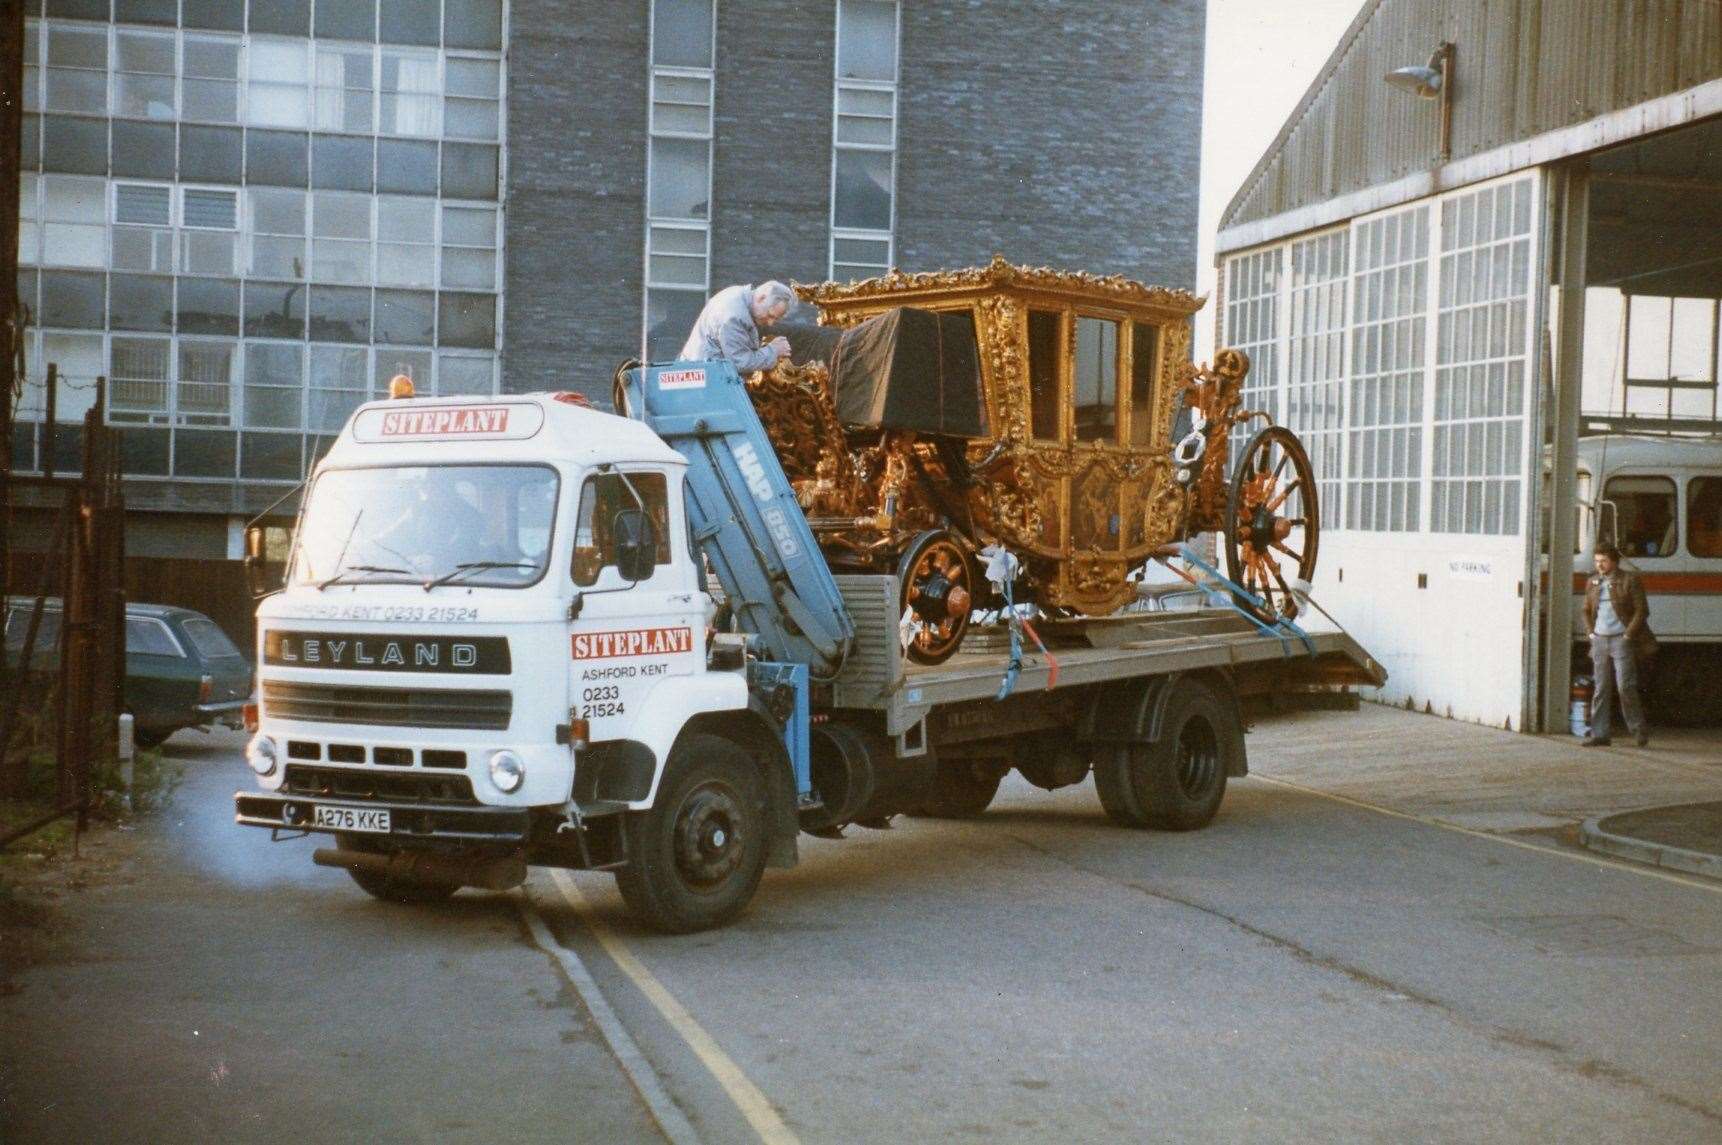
x=250 y=214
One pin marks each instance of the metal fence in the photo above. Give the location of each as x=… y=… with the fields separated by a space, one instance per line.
x=64 y=696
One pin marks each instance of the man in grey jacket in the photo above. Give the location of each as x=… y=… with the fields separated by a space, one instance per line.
x=728 y=327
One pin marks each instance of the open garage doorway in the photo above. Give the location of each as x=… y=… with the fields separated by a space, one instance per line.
x=1647 y=451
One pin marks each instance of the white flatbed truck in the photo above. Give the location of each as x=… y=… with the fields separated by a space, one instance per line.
x=494 y=649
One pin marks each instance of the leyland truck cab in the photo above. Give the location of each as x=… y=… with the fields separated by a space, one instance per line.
x=481 y=590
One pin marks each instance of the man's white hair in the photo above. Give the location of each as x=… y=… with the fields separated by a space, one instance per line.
x=769 y=294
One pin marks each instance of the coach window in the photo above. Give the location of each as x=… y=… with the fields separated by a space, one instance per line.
x=1043 y=369
x=1095 y=379
x=601 y=498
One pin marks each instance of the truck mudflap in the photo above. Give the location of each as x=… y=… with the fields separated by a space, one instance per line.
x=407 y=822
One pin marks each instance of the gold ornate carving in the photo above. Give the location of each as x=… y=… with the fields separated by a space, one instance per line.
x=1080 y=514
x=1000 y=275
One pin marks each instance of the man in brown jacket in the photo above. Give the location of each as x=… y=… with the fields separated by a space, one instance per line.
x=1617 y=617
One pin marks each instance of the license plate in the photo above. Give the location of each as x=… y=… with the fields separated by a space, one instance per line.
x=352 y=819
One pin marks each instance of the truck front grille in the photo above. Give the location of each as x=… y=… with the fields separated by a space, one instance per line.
x=392 y=707
x=388 y=787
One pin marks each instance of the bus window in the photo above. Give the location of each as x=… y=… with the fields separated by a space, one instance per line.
x=1645 y=519
x=1704 y=516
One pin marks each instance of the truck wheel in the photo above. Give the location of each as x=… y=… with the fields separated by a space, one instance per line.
x=695 y=859
x=1180 y=778
x=393 y=888
x=1112 y=780
x=962 y=789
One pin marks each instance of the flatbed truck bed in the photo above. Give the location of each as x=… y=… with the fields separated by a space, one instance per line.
x=1097 y=651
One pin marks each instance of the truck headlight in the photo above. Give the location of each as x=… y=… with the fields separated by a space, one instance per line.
x=507 y=771
x=261 y=755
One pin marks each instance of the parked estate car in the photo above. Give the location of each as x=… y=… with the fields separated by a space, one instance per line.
x=181 y=669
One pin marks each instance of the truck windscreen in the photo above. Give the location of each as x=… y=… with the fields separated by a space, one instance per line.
x=437 y=524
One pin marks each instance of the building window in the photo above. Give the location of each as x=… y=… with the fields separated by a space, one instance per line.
x=145 y=75
x=678 y=173
x=472 y=105
x=340 y=237
x=74 y=217
x=277 y=232
x=345 y=88
x=77 y=70
x=210 y=89
x=406 y=241
x=1390 y=309
x=469 y=248
x=274 y=385
x=207 y=373
x=139 y=376
x=410 y=93
x=1252 y=324
x=1480 y=360
x=143 y=227
x=1315 y=387
x=277 y=88
x=339 y=377
x=864 y=139
x=29 y=221
x=209 y=230
x=221 y=194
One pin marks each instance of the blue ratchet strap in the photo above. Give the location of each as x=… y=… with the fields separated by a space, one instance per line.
x=1283 y=629
x=1014 y=668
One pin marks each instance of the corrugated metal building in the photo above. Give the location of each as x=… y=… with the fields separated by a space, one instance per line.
x=1412 y=273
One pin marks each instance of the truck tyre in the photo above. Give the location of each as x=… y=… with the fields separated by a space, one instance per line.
x=1112 y=767
x=962 y=789
x=1179 y=779
x=393 y=888
x=695 y=859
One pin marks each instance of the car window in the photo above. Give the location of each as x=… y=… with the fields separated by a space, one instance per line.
x=1644 y=508
x=601 y=498
x=147 y=636
x=18 y=626
x=1704 y=516
x=208 y=638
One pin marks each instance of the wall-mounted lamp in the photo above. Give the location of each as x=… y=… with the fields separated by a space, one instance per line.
x=1433 y=80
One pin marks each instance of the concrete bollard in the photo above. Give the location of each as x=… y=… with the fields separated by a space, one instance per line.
x=128 y=757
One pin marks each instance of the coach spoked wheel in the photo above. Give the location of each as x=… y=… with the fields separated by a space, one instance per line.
x=1273 y=522
x=937 y=593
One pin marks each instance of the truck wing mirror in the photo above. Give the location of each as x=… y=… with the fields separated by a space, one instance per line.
x=636 y=544
x=257 y=577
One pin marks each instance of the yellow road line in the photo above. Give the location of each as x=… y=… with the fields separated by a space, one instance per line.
x=1575 y=856
x=753 y=1104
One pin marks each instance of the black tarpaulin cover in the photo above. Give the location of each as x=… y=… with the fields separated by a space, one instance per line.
x=911 y=369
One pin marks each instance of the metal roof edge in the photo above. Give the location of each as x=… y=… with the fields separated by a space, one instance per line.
x=1674 y=110
x=1364 y=15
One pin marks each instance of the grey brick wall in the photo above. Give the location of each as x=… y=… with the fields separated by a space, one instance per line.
x=577 y=93
x=1060 y=133
x=1066 y=133
x=771 y=174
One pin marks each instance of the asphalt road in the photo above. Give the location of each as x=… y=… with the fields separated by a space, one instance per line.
x=1303 y=969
